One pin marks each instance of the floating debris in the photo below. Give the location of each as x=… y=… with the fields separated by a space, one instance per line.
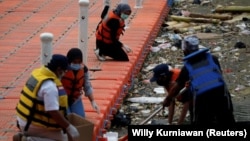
x=159 y=90
x=155 y=100
x=226 y=35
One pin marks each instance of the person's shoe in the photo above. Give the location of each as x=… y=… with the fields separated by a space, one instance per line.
x=17 y=137
x=24 y=138
x=101 y=58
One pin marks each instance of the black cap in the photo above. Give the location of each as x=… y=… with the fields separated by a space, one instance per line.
x=58 y=60
x=159 y=70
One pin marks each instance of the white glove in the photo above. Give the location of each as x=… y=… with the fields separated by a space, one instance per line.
x=127 y=49
x=73 y=133
x=106 y=2
x=95 y=106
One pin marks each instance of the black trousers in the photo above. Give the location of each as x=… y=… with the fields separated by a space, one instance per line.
x=113 y=51
x=214 y=108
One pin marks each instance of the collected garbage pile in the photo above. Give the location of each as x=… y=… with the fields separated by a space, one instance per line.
x=223 y=27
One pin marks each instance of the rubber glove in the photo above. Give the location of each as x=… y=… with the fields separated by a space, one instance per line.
x=95 y=106
x=127 y=49
x=106 y=2
x=73 y=133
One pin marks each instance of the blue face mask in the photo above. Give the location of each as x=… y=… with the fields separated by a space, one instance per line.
x=75 y=66
x=124 y=16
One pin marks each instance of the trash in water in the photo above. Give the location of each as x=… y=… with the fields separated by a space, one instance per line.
x=146 y=99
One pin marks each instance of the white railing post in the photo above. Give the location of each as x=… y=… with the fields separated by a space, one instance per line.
x=138 y=3
x=83 y=28
x=46 y=50
x=124 y=1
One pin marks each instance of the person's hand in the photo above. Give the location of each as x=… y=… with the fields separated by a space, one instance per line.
x=95 y=106
x=167 y=101
x=73 y=133
x=187 y=84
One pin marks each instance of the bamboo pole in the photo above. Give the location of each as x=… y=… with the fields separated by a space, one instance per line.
x=212 y=16
x=232 y=9
x=238 y=17
x=199 y=20
x=170 y=23
x=179 y=25
x=186 y=29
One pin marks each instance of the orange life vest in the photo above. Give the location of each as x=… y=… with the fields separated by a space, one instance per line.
x=175 y=75
x=73 y=82
x=103 y=31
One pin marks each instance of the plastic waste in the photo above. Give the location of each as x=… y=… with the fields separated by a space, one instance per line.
x=239 y=88
x=142 y=99
x=241 y=26
x=245 y=32
x=217 y=49
x=111 y=136
x=165 y=45
x=174 y=37
x=155 y=49
x=159 y=90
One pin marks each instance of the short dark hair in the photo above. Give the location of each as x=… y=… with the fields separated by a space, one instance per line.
x=74 y=53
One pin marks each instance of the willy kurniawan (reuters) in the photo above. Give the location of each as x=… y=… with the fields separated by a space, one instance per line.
x=161 y=132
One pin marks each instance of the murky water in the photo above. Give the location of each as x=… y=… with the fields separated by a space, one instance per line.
x=239 y=67
x=236 y=65
x=241 y=109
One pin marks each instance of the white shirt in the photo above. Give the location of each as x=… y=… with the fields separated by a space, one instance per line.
x=48 y=92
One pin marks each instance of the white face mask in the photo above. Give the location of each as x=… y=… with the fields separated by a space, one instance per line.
x=124 y=16
x=75 y=66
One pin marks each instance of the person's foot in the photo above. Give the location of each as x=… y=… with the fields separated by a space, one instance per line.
x=101 y=58
x=17 y=137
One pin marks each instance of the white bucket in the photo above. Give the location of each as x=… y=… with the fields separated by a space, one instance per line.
x=111 y=136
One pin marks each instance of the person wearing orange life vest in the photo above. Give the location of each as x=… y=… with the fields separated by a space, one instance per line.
x=41 y=110
x=108 y=33
x=76 y=82
x=165 y=76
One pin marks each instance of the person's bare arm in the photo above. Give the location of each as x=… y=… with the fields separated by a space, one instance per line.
x=59 y=118
x=70 y=129
x=174 y=90
x=172 y=94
